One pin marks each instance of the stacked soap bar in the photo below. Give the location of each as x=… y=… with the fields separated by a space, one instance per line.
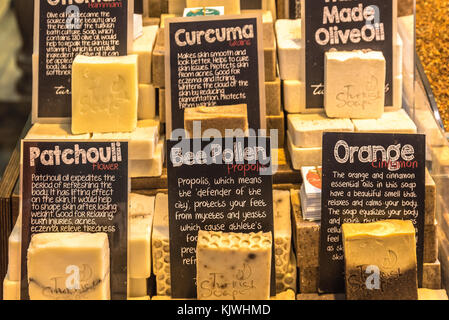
x=53 y=131
x=386 y=250
x=223 y=258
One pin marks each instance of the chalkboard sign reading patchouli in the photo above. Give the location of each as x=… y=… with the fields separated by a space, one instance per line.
x=223 y=185
x=215 y=61
x=368 y=177
x=74 y=209
x=347 y=25
x=64 y=29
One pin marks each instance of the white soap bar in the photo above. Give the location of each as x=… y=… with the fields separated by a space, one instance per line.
x=294 y=98
x=11 y=289
x=137 y=288
x=290 y=50
x=59 y=131
x=140 y=205
x=282 y=230
x=149 y=168
x=143 y=48
x=302 y=157
x=306 y=130
x=390 y=122
x=14 y=252
x=146 y=108
x=142 y=141
x=354 y=84
x=139 y=245
x=233 y=266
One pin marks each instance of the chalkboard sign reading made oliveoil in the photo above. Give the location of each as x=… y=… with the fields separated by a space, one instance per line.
x=74 y=209
x=347 y=25
x=220 y=185
x=64 y=29
x=368 y=177
x=215 y=61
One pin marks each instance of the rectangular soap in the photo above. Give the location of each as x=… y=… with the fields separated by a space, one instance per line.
x=303 y=157
x=230 y=6
x=288 y=279
x=234 y=117
x=158 y=60
x=161 y=246
x=285 y=295
x=432 y=275
x=294 y=98
x=273 y=97
x=308 y=279
x=270 y=61
x=224 y=258
x=306 y=130
x=162 y=105
x=429 y=294
x=143 y=48
x=390 y=122
x=140 y=205
x=11 y=289
x=430 y=250
x=430 y=199
x=139 y=246
x=385 y=248
x=151 y=167
x=137 y=288
x=354 y=84
x=282 y=230
x=277 y=123
x=56 y=131
x=146 y=102
x=288 y=35
x=104 y=94
x=14 y=252
x=142 y=141
x=51 y=255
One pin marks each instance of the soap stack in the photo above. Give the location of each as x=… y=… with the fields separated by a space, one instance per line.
x=311 y=193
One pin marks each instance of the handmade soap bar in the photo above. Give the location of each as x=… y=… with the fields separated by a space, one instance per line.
x=302 y=157
x=285 y=295
x=288 y=35
x=428 y=294
x=306 y=130
x=390 y=122
x=55 y=259
x=140 y=298
x=147 y=102
x=141 y=205
x=104 y=94
x=162 y=105
x=230 y=6
x=288 y=279
x=14 y=252
x=354 y=84
x=430 y=199
x=233 y=266
x=273 y=97
x=151 y=167
x=11 y=289
x=294 y=98
x=143 y=48
x=430 y=250
x=234 y=117
x=161 y=246
x=308 y=279
x=142 y=140
x=277 y=123
x=282 y=230
x=431 y=275
x=59 y=131
x=137 y=288
x=139 y=245
x=159 y=60
x=380 y=260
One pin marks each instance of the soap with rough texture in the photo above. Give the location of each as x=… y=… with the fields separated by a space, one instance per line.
x=390 y=122
x=53 y=131
x=104 y=94
x=147 y=102
x=149 y=167
x=143 y=48
x=288 y=35
x=303 y=157
x=282 y=230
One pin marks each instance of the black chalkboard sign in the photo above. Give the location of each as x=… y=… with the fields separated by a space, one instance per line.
x=368 y=177
x=346 y=25
x=76 y=186
x=62 y=31
x=212 y=187
x=214 y=61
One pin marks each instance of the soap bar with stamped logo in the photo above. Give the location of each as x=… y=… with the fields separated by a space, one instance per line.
x=380 y=260
x=104 y=94
x=233 y=266
x=69 y=266
x=354 y=84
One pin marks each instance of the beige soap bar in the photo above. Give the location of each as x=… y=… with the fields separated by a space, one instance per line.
x=354 y=84
x=384 y=250
x=390 y=122
x=140 y=205
x=139 y=246
x=104 y=94
x=230 y=6
x=137 y=288
x=147 y=102
x=429 y=294
x=288 y=280
x=11 y=289
x=282 y=230
x=290 y=50
x=431 y=275
x=273 y=97
x=233 y=266
x=14 y=251
x=302 y=157
x=140 y=298
x=276 y=123
x=55 y=260
x=285 y=295
x=57 y=131
x=294 y=97
x=151 y=167
x=143 y=48
x=142 y=141
x=221 y=118
x=306 y=130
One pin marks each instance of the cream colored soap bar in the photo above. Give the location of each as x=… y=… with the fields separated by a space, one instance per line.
x=143 y=48
x=354 y=84
x=142 y=141
x=60 y=131
x=69 y=266
x=288 y=280
x=230 y=6
x=282 y=231
x=429 y=294
x=233 y=266
x=11 y=289
x=139 y=246
x=294 y=98
x=384 y=250
x=147 y=102
x=151 y=167
x=104 y=94
x=290 y=50
x=390 y=122
x=14 y=251
x=302 y=157
x=137 y=288
x=306 y=130
x=140 y=205
x=221 y=118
